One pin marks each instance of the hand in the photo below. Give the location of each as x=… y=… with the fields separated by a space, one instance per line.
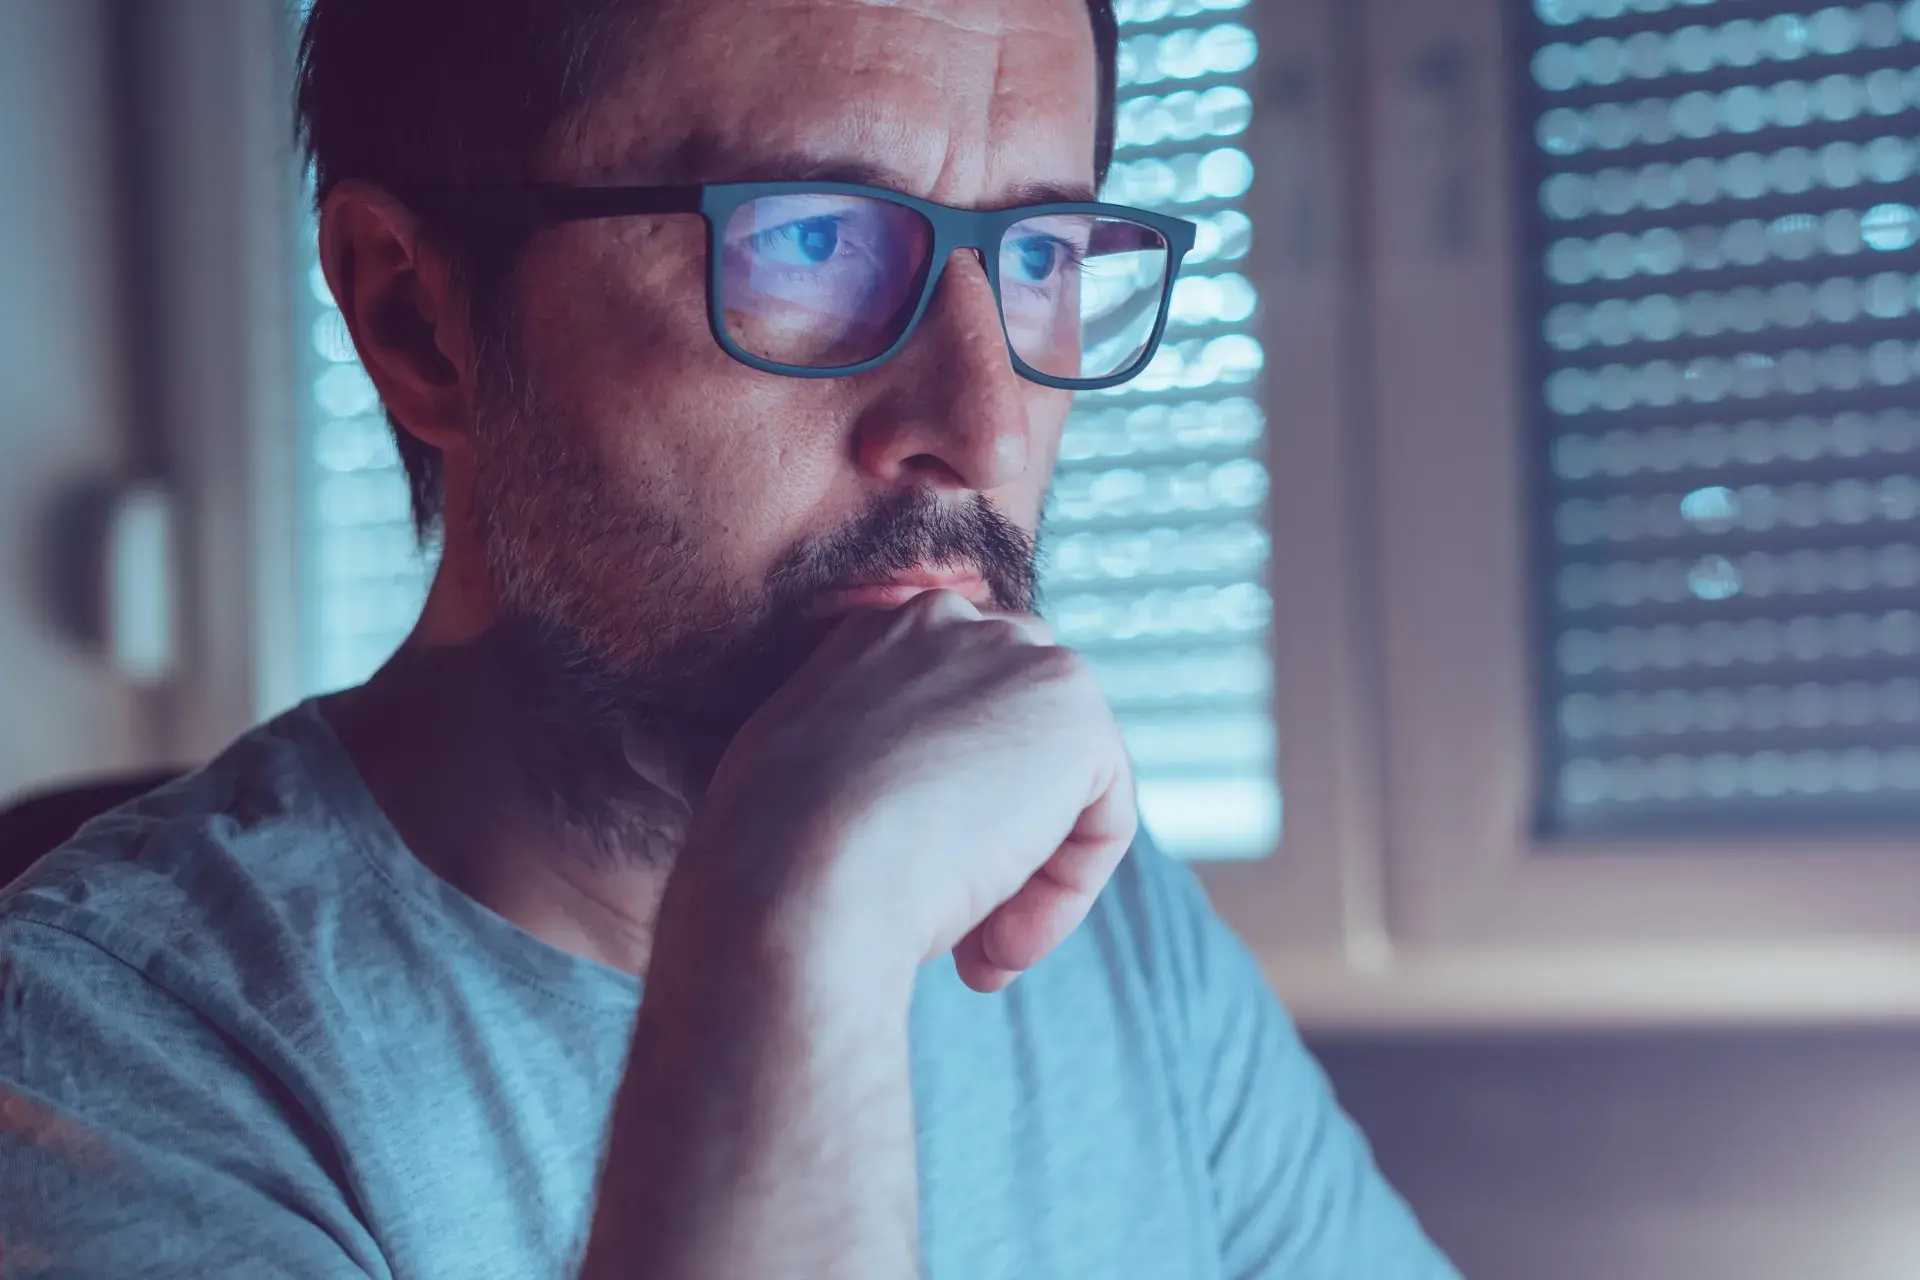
x=932 y=779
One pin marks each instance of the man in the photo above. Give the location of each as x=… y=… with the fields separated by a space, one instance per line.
x=729 y=357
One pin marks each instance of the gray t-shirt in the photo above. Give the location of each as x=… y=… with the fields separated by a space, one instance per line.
x=244 y=1033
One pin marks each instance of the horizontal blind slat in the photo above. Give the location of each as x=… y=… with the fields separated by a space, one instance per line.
x=1723 y=253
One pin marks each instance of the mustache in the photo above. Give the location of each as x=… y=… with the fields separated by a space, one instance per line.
x=574 y=705
x=910 y=529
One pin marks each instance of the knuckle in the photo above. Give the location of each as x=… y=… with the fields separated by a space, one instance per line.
x=1003 y=631
x=1038 y=630
x=934 y=607
x=928 y=601
x=1061 y=666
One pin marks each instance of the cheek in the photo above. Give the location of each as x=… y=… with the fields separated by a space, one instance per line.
x=746 y=469
x=738 y=457
x=1047 y=410
x=751 y=475
x=1048 y=414
x=610 y=308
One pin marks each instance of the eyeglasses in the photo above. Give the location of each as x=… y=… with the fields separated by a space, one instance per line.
x=827 y=279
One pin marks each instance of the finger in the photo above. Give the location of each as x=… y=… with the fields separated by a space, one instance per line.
x=1036 y=629
x=1031 y=925
x=1057 y=898
x=1054 y=902
x=942 y=605
x=863 y=624
x=979 y=973
x=1026 y=928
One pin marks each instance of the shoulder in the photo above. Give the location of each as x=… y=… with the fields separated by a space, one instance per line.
x=1156 y=910
x=210 y=872
x=161 y=972
x=1296 y=1188
x=152 y=1014
x=1154 y=947
x=138 y=955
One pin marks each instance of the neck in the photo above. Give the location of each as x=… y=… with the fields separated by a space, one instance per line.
x=562 y=823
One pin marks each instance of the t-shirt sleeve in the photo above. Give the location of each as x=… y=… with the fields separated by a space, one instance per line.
x=1296 y=1190
x=137 y=1140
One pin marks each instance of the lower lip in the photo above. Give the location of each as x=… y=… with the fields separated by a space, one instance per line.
x=889 y=595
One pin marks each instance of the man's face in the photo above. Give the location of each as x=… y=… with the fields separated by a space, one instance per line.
x=679 y=518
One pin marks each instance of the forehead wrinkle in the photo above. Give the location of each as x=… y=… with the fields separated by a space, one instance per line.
x=989 y=126
x=940 y=11
x=932 y=13
x=1008 y=106
x=1015 y=109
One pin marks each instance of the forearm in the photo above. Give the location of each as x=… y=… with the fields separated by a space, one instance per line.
x=765 y=1124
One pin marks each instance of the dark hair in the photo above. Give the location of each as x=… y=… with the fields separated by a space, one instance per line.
x=416 y=92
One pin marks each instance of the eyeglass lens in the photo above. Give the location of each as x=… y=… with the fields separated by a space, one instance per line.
x=823 y=281
x=820 y=281
x=1081 y=292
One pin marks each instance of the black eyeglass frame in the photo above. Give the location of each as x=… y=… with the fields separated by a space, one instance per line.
x=533 y=206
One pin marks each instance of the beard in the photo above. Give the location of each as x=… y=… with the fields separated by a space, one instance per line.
x=617 y=616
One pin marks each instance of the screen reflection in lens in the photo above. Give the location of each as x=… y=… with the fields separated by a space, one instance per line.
x=1081 y=292
x=818 y=280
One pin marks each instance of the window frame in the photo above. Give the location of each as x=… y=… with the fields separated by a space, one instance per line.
x=1487 y=920
x=1317 y=904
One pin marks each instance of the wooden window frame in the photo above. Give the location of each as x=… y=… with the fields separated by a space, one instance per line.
x=1414 y=889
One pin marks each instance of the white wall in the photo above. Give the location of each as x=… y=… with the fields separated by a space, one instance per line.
x=64 y=398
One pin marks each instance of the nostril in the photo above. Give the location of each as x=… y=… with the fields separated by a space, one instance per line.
x=926 y=462
x=934 y=466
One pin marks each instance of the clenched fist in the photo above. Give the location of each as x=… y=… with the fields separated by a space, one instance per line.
x=933 y=779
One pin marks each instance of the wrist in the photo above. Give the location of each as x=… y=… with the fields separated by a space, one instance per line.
x=774 y=910
x=768 y=1089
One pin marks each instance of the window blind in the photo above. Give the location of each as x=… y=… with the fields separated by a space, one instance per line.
x=1156 y=545
x=365 y=574
x=1723 y=262
x=1156 y=541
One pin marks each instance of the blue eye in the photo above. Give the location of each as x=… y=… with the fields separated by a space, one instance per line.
x=1035 y=257
x=806 y=242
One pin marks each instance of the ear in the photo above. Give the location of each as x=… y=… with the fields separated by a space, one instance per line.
x=409 y=323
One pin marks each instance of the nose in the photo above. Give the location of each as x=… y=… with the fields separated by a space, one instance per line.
x=955 y=414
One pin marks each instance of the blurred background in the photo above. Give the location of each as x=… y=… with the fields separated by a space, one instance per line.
x=1508 y=574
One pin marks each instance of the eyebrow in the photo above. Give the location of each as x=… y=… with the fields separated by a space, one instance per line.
x=704 y=158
